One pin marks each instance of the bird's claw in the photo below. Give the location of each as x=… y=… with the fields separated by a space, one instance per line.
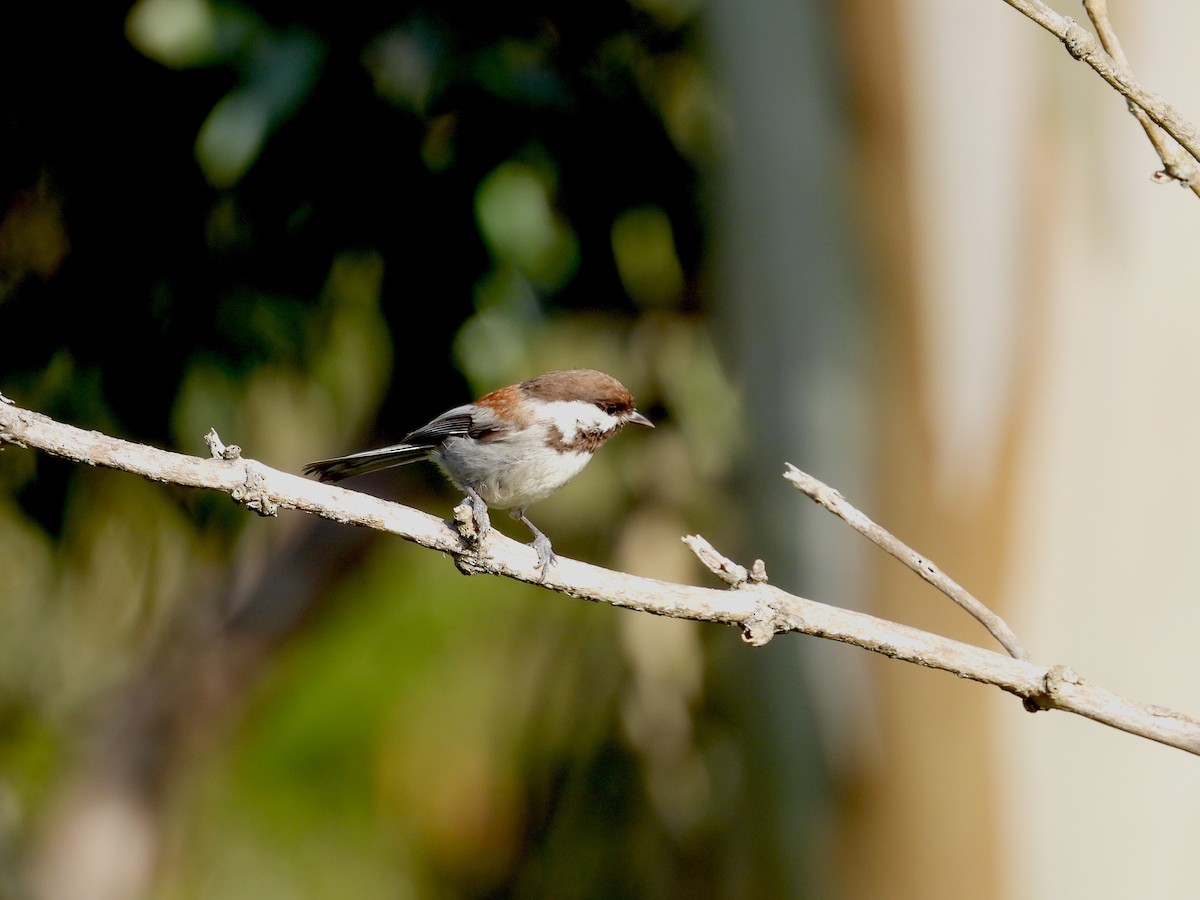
x=479 y=512
x=473 y=521
x=546 y=557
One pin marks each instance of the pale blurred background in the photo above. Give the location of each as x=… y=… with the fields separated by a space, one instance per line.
x=911 y=247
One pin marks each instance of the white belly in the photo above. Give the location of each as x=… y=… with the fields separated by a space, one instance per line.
x=506 y=475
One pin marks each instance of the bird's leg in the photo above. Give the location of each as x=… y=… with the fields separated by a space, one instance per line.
x=541 y=543
x=479 y=512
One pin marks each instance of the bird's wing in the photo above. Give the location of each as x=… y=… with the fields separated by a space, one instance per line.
x=468 y=420
x=457 y=421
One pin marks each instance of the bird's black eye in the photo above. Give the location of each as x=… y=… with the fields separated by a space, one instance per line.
x=612 y=409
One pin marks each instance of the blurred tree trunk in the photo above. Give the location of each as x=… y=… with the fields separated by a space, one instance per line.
x=790 y=299
x=819 y=257
x=924 y=819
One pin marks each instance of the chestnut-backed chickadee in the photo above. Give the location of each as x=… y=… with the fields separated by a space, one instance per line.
x=512 y=447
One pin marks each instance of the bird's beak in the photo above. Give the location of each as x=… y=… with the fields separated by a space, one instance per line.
x=638 y=419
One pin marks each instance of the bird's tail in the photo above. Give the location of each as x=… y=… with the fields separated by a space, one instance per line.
x=368 y=461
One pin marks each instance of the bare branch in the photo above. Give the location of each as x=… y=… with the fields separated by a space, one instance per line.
x=1082 y=45
x=1176 y=165
x=833 y=501
x=760 y=610
x=722 y=566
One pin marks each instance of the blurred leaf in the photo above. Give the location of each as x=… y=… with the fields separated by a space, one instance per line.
x=519 y=70
x=514 y=207
x=33 y=237
x=278 y=72
x=404 y=62
x=644 y=249
x=173 y=32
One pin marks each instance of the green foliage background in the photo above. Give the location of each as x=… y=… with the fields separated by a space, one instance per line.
x=314 y=228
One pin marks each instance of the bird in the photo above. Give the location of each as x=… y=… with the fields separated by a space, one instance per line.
x=512 y=447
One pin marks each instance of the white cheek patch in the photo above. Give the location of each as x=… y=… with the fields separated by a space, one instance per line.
x=570 y=417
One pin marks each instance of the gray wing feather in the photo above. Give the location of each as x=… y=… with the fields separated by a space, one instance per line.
x=457 y=421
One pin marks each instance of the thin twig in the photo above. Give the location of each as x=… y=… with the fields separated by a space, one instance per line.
x=723 y=567
x=832 y=500
x=1176 y=165
x=1082 y=45
x=758 y=609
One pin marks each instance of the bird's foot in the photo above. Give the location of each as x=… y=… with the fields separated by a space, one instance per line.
x=546 y=557
x=541 y=543
x=473 y=520
x=479 y=512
